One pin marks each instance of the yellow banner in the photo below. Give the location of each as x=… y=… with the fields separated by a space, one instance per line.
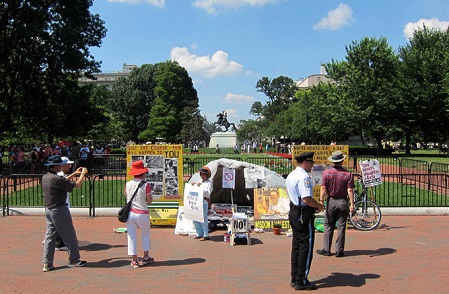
x=163 y=216
x=322 y=152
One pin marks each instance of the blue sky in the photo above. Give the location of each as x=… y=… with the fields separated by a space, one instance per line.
x=228 y=45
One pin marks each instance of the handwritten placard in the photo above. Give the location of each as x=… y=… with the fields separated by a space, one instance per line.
x=193 y=202
x=371 y=173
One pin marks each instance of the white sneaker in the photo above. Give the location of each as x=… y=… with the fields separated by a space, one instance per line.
x=48 y=267
x=63 y=248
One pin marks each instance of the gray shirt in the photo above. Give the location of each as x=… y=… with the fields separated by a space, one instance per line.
x=55 y=189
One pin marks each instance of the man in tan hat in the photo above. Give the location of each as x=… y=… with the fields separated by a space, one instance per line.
x=338 y=185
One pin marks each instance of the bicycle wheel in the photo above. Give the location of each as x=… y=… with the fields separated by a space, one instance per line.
x=365 y=218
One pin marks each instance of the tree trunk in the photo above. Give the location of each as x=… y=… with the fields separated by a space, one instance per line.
x=447 y=143
x=50 y=139
x=407 y=141
x=379 y=146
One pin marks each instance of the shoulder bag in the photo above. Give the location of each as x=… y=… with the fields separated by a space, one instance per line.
x=124 y=211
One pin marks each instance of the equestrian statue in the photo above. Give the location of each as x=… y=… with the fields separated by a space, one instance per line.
x=222 y=121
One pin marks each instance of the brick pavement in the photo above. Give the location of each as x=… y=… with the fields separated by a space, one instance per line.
x=408 y=254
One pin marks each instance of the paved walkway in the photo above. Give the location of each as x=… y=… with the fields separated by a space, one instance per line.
x=408 y=254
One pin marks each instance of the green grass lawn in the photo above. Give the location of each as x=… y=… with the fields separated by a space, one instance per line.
x=426 y=155
x=392 y=194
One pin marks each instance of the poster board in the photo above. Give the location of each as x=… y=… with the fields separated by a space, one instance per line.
x=165 y=172
x=271 y=205
x=165 y=176
x=371 y=173
x=253 y=174
x=163 y=216
x=184 y=226
x=321 y=153
x=193 y=203
x=228 y=180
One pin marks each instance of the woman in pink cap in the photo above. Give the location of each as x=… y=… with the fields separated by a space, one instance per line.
x=138 y=216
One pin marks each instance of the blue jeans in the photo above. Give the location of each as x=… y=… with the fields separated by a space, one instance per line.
x=202 y=229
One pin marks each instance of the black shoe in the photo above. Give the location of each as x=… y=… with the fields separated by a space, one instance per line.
x=305 y=286
x=339 y=254
x=322 y=252
x=292 y=282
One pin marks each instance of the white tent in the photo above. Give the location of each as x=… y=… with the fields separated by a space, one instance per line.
x=241 y=194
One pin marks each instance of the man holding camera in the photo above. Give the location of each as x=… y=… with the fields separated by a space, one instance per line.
x=57 y=213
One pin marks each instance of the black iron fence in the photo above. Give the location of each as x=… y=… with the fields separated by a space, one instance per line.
x=411 y=190
x=409 y=183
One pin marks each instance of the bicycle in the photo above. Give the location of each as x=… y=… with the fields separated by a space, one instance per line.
x=367 y=214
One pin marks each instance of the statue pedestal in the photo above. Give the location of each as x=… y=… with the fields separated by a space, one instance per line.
x=223 y=139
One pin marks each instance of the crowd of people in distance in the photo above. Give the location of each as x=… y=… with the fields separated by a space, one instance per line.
x=31 y=159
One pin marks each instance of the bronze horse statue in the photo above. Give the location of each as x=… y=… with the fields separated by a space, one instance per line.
x=222 y=121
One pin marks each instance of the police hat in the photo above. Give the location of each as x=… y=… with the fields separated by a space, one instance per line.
x=305 y=156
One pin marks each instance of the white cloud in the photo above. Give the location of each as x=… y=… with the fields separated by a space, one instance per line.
x=211 y=6
x=232 y=113
x=158 y=3
x=335 y=19
x=237 y=98
x=218 y=64
x=433 y=23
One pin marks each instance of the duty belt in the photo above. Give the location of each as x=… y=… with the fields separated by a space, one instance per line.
x=294 y=207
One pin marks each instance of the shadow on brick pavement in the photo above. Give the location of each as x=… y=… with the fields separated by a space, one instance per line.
x=406 y=254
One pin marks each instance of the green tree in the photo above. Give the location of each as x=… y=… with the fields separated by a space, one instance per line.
x=106 y=127
x=257 y=108
x=174 y=113
x=424 y=70
x=209 y=127
x=369 y=78
x=44 y=47
x=195 y=129
x=250 y=130
x=158 y=101
x=280 y=92
x=132 y=98
x=329 y=114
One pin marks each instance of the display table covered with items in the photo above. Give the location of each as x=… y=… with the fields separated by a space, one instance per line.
x=235 y=205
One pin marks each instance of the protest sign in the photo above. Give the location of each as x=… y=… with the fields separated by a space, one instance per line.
x=193 y=202
x=371 y=174
x=228 y=178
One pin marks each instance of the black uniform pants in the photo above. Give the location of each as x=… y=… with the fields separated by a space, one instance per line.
x=302 y=242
